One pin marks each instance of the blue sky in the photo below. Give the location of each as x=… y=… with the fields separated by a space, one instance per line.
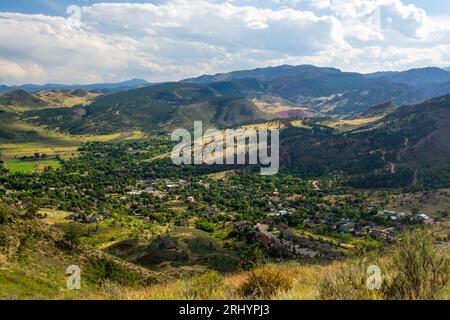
x=51 y=7
x=434 y=7
x=58 y=7
x=163 y=40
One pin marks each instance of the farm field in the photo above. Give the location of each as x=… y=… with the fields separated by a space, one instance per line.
x=25 y=166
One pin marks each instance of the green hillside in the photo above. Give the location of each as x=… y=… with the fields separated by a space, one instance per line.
x=21 y=98
x=157 y=108
x=408 y=147
x=21 y=101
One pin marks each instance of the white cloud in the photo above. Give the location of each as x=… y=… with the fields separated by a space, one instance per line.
x=374 y=19
x=10 y=70
x=227 y=25
x=61 y=52
x=181 y=38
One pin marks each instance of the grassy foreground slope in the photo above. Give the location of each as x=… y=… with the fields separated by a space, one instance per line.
x=35 y=254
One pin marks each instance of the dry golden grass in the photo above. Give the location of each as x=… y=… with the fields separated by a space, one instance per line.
x=223 y=175
x=265 y=126
x=28 y=149
x=58 y=98
x=300 y=124
x=306 y=285
x=273 y=108
x=55 y=143
x=342 y=124
x=110 y=291
x=306 y=280
x=54 y=216
x=55 y=99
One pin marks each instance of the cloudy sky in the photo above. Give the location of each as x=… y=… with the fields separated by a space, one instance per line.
x=87 y=41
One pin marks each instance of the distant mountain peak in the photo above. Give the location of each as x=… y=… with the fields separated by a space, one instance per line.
x=262 y=74
x=114 y=86
x=416 y=77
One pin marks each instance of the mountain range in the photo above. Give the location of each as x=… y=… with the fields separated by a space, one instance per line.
x=415 y=77
x=98 y=87
x=325 y=90
x=332 y=91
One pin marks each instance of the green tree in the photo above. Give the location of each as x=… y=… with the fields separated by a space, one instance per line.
x=73 y=238
x=252 y=257
x=4 y=215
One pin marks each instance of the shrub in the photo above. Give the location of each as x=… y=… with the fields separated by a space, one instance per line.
x=3 y=240
x=205 y=225
x=420 y=271
x=73 y=238
x=264 y=283
x=4 y=215
x=414 y=270
x=203 y=287
x=25 y=244
x=100 y=270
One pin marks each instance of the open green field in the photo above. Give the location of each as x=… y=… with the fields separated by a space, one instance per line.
x=22 y=166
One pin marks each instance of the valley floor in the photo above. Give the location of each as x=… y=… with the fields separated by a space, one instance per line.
x=139 y=227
